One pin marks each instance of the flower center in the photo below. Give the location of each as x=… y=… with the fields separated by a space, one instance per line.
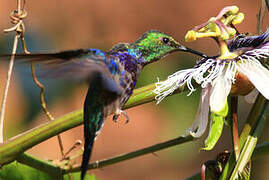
x=222 y=28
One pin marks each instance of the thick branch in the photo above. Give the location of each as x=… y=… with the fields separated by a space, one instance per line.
x=39 y=164
x=10 y=149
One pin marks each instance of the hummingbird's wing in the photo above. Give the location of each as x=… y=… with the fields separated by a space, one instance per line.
x=77 y=64
x=84 y=64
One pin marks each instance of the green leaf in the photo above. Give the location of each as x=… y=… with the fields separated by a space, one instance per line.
x=17 y=171
x=216 y=126
x=76 y=176
x=224 y=111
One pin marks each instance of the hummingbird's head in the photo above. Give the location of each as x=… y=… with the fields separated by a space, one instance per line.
x=154 y=45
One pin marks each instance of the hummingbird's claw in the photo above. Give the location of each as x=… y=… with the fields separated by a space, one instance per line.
x=115 y=117
x=118 y=113
x=126 y=116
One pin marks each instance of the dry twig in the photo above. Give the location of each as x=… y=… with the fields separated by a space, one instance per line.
x=16 y=17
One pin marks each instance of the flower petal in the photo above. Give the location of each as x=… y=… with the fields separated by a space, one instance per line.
x=174 y=81
x=221 y=87
x=216 y=126
x=199 y=73
x=249 y=41
x=258 y=75
x=251 y=97
x=201 y=119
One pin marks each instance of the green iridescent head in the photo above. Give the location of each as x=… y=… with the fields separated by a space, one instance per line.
x=154 y=45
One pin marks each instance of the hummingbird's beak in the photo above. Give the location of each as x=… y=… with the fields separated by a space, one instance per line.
x=186 y=49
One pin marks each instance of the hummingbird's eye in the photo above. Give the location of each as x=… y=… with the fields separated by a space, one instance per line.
x=165 y=40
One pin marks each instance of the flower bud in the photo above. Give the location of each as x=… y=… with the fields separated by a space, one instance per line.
x=190 y=36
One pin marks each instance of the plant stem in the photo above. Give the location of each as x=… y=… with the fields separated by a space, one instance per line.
x=234 y=104
x=252 y=119
x=140 y=152
x=44 y=105
x=260 y=16
x=17 y=145
x=259 y=151
x=250 y=144
x=17 y=29
x=39 y=164
x=262 y=149
x=3 y=106
x=256 y=111
x=50 y=168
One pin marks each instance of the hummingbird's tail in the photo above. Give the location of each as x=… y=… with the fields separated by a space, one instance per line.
x=102 y=91
x=93 y=121
x=88 y=145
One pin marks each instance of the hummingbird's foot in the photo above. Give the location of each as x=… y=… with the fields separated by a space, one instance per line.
x=77 y=144
x=118 y=113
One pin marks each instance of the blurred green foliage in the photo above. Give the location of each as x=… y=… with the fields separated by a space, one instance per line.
x=18 y=171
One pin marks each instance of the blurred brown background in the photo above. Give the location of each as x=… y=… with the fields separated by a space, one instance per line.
x=66 y=24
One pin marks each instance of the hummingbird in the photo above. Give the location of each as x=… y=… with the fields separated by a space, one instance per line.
x=111 y=76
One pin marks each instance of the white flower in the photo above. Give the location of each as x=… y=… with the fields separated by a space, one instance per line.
x=217 y=76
